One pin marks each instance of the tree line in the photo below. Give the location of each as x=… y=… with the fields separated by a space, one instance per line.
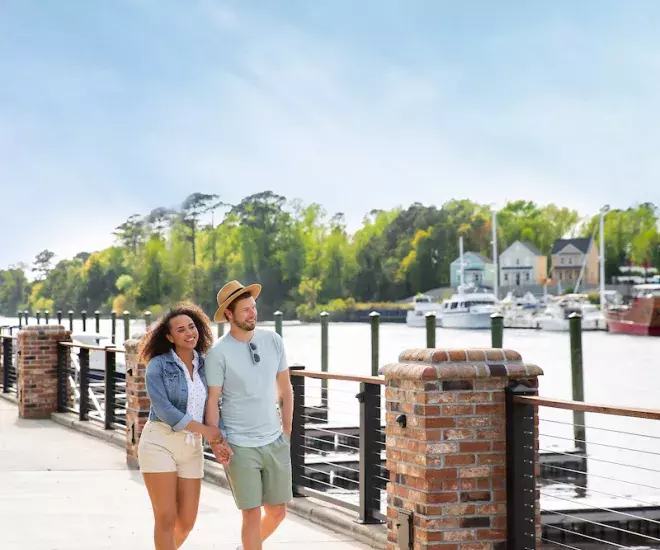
x=302 y=255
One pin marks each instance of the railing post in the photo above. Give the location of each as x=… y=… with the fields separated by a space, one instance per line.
x=575 y=327
x=97 y=321
x=298 y=430
x=59 y=316
x=497 y=330
x=6 y=363
x=127 y=325
x=430 y=329
x=369 y=398
x=147 y=320
x=278 y=322
x=521 y=459
x=47 y=316
x=38 y=314
x=83 y=386
x=63 y=357
x=113 y=324
x=374 y=317
x=71 y=320
x=325 y=317
x=110 y=367
x=20 y=319
x=27 y=317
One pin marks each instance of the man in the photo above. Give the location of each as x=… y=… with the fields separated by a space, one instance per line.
x=247 y=370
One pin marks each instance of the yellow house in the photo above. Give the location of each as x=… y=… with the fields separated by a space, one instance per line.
x=568 y=256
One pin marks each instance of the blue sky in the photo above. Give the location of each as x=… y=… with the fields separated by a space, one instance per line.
x=110 y=108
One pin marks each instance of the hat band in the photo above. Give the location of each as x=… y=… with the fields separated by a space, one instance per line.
x=235 y=292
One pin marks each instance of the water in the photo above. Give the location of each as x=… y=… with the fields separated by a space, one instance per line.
x=619 y=370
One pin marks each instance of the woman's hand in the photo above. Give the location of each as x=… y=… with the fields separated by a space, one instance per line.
x=222 y=452
x=213 y=434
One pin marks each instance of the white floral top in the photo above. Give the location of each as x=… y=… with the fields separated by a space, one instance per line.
x=196 y=389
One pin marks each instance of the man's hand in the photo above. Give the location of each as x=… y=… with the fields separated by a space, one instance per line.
x=222 y=452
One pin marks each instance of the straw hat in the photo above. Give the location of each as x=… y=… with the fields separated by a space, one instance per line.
x=229 y=293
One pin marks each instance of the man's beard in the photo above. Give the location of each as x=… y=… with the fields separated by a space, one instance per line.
x=247 y=326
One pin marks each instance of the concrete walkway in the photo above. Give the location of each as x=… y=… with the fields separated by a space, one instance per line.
x=62 y=490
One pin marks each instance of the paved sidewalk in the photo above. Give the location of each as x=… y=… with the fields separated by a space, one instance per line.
x=62 y=490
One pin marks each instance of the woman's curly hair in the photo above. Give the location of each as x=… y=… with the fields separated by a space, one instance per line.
x=155 y=341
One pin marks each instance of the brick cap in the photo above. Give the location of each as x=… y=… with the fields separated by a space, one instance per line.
x=46 y=330
x=131 y=346
x=459 y=364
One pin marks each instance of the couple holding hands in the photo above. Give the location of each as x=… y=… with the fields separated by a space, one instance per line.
x=228 y=393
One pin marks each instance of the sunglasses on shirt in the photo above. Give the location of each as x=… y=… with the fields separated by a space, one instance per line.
x=253 y=352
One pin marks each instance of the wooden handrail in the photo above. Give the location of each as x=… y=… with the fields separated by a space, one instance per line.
x=90 y=347
x=650 y=414
x=344 y=377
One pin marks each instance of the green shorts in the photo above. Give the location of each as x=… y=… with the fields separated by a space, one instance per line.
x=261 y=475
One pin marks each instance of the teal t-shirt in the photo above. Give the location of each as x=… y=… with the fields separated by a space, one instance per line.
x=249 y=389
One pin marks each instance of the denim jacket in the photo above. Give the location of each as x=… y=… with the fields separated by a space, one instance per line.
x=168 y=390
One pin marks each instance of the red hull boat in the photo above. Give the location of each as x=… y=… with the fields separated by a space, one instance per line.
x=641 y=316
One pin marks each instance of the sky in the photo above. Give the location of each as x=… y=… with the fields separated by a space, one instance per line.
x=116 y=107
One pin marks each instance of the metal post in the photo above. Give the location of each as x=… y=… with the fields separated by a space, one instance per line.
x=127 y=325
x=575 y=326
x=83 y=314
x=6 y=363
x=497 y=330
x=520 y=469
x=84 y=384
x=374 y=317
x=62 y=377
x=20 y=319
x=71 y=320
x=496 y=266
x=27 y=316
x=113 y=326
x=298 y=430
x=110 y=367
x=278 y=322
x=430 y=329
x=324 y=357
x=38 y=314
x=370 y=456
x=47 y=316
x=59 y=316
x=147 y=320
x=603 y=211
x=97 y=321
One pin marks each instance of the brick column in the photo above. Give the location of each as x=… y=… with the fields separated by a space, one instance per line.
x=448 y=464
x=137 y=401
x=37 y=369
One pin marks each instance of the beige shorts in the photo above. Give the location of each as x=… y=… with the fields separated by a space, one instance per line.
x=161 y=449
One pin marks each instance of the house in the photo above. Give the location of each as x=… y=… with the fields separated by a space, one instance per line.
x=522 y=265
x=477 y=270
x=568 y=258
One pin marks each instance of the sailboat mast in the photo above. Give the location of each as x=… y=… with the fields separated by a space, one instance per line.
x=461 y=273
x=603 y=211
x=495 y=263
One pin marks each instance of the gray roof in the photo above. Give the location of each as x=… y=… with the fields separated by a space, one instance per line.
x=477 y=255
x=532 y=248
x=582 y=245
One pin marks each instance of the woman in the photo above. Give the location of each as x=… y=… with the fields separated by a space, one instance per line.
x=170 y=452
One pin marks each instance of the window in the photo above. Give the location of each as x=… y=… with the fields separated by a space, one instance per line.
x=562 y=260
x=517 y=261
x=506 y=277
x=528 y=276
x=570 y=260
x=561 y=275
x=570 y=275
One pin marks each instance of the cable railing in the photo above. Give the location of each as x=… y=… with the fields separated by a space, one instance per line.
x=607 y=494
x=91 y=382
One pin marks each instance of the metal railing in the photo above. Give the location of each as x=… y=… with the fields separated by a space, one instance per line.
x=604 y=494
x=91 y=382
x=9 y=363
x=338 y=441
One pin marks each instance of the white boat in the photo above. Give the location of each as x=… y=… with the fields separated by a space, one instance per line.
x=423 y=304
x=471 y=307
x=557 y=313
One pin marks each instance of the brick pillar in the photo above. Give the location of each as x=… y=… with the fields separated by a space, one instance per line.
x=137 y=401
x=448 y=465
x=37 y=369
